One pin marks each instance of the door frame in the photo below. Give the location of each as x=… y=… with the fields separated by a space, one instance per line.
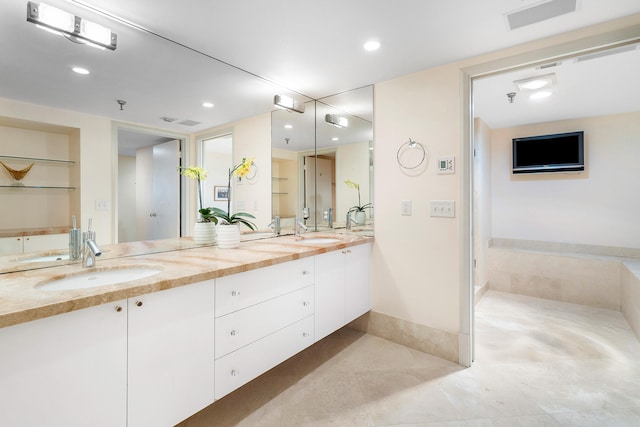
x=184 y=146
x=557 y=52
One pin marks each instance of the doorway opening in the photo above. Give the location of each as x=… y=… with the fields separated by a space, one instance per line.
x=150 y=201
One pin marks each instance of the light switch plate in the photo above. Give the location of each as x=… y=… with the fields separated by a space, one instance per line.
x=405 y=207
x=443 y=208
x=446 y=165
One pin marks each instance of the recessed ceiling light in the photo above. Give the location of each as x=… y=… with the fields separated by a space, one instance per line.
x=288 y=126
x=541 y=94
x=80 y=70
x=207 y=104
x=335 y=138
x=535 y=83
x=372 y=45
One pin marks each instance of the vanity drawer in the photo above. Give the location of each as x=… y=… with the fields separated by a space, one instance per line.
x=245 y=364
x=243 y=327
x=242 y=290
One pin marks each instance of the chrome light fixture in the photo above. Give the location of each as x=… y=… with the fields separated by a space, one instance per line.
x=536 y=83
x=288 y=103
x=336 y=120
x=74 y=28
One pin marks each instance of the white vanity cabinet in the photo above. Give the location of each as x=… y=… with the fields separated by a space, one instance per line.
x=170 y=364
x=35 y=243
x=66 y=370
x=263 y=317
x=342 y=288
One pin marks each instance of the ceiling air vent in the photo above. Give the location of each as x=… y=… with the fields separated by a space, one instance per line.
x=188 y=123
x=607 y=52
x=539 y=12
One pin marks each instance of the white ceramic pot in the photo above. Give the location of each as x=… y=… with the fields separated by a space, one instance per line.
x=228 y=236
x=360 y=217
x=204 y=233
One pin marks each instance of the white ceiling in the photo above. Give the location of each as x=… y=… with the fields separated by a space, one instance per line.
x=287 y=46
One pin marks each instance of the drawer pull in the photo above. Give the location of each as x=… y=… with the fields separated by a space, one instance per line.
x=344 y=252
x=139 y=303
x=233 y=333
x=306 y=303
x=118 y=308
x=235 y=373
x=348 y=251
x=305 y=334
x=305 y=272
x=235 y=293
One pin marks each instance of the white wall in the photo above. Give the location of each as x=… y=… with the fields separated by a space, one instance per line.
x=126 y=199
x=598 y=207
x=352 y=162
x=481 y=199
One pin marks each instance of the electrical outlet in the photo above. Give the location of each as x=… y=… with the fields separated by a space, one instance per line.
x=443 y=208
x=102 y=205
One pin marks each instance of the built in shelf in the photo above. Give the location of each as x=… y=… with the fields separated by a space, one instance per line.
x=39 y=160
x=38 y=187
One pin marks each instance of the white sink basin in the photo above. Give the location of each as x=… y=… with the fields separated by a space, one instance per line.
x=94 y=279
x=48 y=258
x=312 y=240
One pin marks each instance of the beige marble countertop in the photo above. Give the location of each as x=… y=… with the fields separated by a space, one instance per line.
x=181 y=263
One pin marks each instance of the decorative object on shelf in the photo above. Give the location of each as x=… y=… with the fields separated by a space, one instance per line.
x=242 y=169
x=204 y=231
x=360 y=213
x=17 y=175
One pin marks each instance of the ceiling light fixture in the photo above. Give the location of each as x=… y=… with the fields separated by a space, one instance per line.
x=288 y=103
x=535 y=83
x=372 y=45
x=336 y=120
x=540 y=94
x=74 y=28
x=335 y=138
x=207 y=104
x=288 y=126
x=80 y=70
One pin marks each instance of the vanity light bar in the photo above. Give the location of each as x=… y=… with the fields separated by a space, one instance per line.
x=288 y=103
x=74 y=28
x=336 y=120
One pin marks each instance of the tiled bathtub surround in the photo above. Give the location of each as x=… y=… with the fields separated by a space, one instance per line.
x=596 y=276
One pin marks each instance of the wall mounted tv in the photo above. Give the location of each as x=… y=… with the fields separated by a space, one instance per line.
x=560 y=152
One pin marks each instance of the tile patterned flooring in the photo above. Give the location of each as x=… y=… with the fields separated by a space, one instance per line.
x=538 y=363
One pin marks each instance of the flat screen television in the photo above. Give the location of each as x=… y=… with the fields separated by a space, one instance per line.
x=560 y=152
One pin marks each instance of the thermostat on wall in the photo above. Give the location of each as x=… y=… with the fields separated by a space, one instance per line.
x=446 y=164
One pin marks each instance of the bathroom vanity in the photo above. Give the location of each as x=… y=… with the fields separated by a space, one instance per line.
x=153 y=351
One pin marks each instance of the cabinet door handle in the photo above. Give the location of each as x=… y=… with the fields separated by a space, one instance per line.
x=306 y=303
x=344 y=252
x=139 y=303
x=348 y=251
x=118 y=308
x=305 y=334
x=235 y=372
x=305 y=272
x=233 y=333
x=235 y=293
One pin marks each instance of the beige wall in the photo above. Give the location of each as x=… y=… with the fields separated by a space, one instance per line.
x=418 y=272
x=597 y=207
x=95 y=157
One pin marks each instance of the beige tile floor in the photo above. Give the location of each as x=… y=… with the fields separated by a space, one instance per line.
x=538 y=363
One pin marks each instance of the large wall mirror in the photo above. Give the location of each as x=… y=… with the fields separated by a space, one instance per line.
x=164 y=85
x=322 y=160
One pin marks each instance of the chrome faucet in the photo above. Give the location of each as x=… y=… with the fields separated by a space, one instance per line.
x=90 y=249
x=275 y=224
x=350 y=220
x=298 y=225
x=329 y=217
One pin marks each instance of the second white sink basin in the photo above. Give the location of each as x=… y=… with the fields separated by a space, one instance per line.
x=94 y=279
x=46 y=258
